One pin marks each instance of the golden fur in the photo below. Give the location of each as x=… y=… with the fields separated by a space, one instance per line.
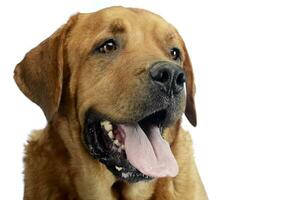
x=63 y=77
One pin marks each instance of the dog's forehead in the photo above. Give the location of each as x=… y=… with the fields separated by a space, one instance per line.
x=120 y=19
x=138 y=26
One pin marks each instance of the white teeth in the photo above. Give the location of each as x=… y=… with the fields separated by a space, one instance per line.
x=118 y=168
x=107 y=125
x=104 y=122
x=111 y=135
x=116 y=142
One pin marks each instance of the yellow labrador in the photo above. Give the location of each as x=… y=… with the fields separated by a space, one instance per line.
x=111 y=85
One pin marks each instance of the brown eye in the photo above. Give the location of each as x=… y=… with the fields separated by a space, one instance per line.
x=107 y=47
x=175 y=53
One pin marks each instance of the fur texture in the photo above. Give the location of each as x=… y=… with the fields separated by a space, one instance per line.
x=65 y=78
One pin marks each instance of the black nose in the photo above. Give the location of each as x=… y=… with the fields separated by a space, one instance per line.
x=168 y=76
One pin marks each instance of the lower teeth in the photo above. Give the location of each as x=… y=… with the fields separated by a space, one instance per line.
x=118 y=168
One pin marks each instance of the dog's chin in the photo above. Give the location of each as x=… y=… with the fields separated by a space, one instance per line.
x=123 y=147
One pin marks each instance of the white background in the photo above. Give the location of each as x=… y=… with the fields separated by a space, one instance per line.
x=246 y=57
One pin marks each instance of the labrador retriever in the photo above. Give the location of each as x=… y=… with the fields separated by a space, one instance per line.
x=112 y=87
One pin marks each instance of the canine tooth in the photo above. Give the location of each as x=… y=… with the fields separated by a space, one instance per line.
x=111 y=135
x=116 y=142
x=118 y=168
x=123 y=147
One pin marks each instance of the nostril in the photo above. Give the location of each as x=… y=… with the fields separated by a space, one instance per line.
x=164 y=76
x=167 y=77
x=180 y=79
x=161 y=76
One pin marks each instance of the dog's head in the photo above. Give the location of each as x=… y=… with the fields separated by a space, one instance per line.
x=121 y=73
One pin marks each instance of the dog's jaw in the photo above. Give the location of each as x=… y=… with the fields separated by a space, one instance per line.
x=132 y=152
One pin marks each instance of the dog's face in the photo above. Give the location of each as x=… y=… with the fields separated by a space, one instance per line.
x=124 y=72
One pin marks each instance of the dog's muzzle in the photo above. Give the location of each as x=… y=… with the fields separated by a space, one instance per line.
x=135 y=150
x=169 y=77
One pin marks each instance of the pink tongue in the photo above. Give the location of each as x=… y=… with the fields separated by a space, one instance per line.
x=153 y=156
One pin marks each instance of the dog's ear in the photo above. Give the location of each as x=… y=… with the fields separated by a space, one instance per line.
x=190 y=109
x=40 y=74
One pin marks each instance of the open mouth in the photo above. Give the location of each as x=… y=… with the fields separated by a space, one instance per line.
x=131 y=151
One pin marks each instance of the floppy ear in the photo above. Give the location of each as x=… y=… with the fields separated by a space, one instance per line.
x=40 y=74
x=190 y=110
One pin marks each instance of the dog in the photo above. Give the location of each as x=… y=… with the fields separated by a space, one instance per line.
x=111 y=85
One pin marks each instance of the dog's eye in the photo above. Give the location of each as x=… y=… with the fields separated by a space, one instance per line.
x=175 y=53
x=107 y=47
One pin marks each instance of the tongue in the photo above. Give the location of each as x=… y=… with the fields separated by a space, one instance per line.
x=153 y=156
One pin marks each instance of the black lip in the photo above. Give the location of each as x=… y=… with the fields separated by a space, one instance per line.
x=100 y=145
x=158 y=118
